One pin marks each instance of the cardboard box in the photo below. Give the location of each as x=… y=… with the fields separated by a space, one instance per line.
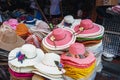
x=106 y=2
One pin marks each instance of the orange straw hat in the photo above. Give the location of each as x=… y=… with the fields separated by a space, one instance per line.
x=22 y=30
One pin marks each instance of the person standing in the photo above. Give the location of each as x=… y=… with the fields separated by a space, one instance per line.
x=55 y=11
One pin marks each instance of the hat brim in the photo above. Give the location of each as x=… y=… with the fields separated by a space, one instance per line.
x=85 y=61
x=9 y=46
x=76 y=22
x=27 y=69
x=30 y=22
x=20 y=75
x=48 y=69
x=46 y=76
x=61 y=44
x=26 y=62
x=96 y=30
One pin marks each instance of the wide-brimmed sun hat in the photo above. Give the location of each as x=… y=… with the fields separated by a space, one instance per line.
x=26 y=55
x=48 y=65
x=87 y=28
x=12 y=22
x=59 y=39
x=69 y=21
x=78 y=55
x=9 y=39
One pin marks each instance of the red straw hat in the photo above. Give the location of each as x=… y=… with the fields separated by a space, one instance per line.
x=59 y=38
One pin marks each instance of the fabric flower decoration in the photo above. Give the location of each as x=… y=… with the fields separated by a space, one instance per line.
x=20 y=56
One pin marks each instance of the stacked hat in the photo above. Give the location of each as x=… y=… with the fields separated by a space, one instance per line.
x=69 y=21
x=78 y=63
x=12 y=22
x=58 y=40
x=50 y=67
x=89 y=33
x=9 y=39
x=21 y=61
x=22 y=30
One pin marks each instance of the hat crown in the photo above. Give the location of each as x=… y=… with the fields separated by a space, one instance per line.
x=58 y=33
x=22 y=28
x=29 y=50
x=13 y=21
x=50 y=58
x=77 y=48
x=86 y=23
x=29 y=18
x=8 y=36
x=69 y=19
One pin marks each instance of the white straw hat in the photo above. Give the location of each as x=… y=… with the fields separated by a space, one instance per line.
x=47 y=65
x=24 y=56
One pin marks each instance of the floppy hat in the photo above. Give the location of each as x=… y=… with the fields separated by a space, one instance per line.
x=22 y=30
x=78 y=55
x=48 y=66
x=59 y=38
x=9 y=39
x=41 y=26
x=87 y=28
x=69 y=21
x=12 y=22
x=26 y=55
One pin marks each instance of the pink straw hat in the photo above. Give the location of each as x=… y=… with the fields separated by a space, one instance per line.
x=88 y=28
x=59 y=38
x=12 y=22
x=77 y=48
x=78 y=55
